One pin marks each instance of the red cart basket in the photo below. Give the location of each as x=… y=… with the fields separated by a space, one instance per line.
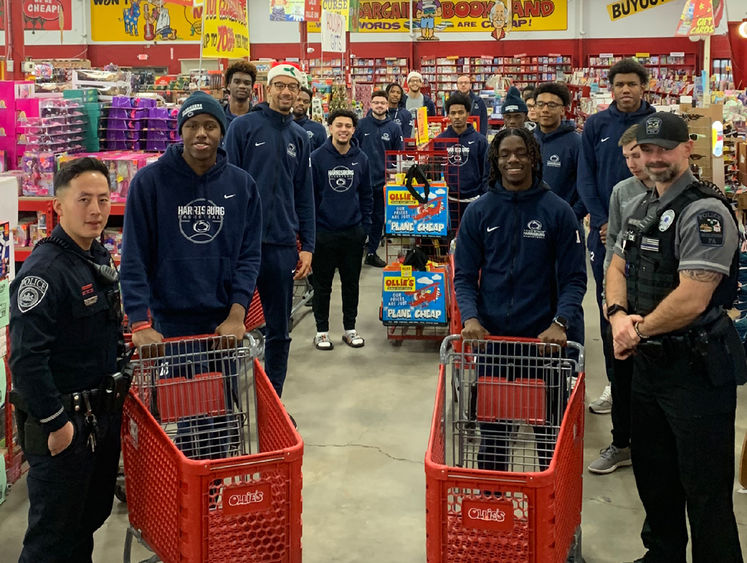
x=212 y=460
x=504 y=460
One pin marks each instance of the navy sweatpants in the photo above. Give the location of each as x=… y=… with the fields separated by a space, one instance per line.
x=275 y=286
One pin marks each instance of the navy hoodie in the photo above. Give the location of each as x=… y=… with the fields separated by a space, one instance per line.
x=429 y=105
x=519 y=262
x=402 y=117
x=561 y=149
x=467 y=168
x=191 y=245
x=602 y=164
x=315 y=131
x=275 y=151
x=342 y=187
x=375 y=136
x=479 y=109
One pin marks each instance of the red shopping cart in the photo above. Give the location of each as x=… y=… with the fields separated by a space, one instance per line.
x=504 y=462
x=212 y=460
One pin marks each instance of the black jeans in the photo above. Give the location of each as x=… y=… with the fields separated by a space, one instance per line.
x=342 y=251
x=621 y=378
x=682 y=446
x=71 y=494
x=377 y=219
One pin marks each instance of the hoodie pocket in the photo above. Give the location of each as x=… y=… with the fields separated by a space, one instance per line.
x=193 y=284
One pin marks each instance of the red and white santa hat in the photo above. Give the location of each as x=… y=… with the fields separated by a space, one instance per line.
x=289 y=70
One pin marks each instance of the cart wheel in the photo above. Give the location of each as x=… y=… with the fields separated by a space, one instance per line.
x=119 y=490
x=574 y=554
x=396 y=343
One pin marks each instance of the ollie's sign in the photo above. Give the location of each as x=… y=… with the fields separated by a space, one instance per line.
x=247 y=498
x=483 y=515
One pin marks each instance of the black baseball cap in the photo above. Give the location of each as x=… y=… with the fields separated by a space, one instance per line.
x=664 y=129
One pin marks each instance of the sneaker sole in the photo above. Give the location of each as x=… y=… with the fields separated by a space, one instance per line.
x=619 y=464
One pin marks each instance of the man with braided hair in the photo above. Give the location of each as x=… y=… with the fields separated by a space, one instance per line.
x=673 y=273
x=519 y=266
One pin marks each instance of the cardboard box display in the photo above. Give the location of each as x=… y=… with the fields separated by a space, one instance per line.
x=406 y=216
x=413 y=297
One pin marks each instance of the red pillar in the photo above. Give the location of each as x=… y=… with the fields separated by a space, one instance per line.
x=14 y=40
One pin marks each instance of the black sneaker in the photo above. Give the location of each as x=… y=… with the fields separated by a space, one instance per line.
x=374 y=260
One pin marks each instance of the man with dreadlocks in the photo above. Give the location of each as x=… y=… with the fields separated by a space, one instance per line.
x=519 y=266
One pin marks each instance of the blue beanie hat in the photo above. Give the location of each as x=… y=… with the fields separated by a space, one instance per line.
x=200 y=102
x=513 y=102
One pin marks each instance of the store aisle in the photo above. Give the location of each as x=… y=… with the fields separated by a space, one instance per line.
x=364 y=415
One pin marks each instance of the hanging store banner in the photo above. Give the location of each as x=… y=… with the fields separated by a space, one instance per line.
x=43 y=15
x=696 y=19
x=226 y=30
x=146 y=20
x=431 y=17
x=312 y=11
x=623 y=8
x=333 y=32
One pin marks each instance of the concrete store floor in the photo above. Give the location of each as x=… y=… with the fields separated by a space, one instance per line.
x=364 y=415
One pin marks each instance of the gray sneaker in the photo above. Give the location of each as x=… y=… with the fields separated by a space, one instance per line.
x=603 y=405
x=610 y=459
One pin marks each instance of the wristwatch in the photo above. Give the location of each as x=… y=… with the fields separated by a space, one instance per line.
x=616 y=308
x=562 y=322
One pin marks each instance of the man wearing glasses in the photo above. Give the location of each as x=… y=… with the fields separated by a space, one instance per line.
x=477 y=105
x=559 y=143
x=600 y=167
x=275 y=151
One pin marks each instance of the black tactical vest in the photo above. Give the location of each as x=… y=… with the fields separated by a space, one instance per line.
x=650 y=263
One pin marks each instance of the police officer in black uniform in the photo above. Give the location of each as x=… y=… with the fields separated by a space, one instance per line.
x=672 y=276
x=66 y=352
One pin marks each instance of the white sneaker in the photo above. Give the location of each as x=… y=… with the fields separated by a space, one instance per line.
x=603 y=405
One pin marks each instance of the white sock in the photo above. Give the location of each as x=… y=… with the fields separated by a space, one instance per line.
x=318 y=334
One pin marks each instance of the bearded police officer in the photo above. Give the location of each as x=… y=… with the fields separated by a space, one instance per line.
x=66 y=332
x=673 y=273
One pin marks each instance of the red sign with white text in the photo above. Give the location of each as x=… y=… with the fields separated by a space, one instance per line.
x=247 y=498
x=42 y=15
x=488 y=515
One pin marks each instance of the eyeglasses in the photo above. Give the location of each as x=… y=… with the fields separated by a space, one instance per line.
x=280 y=86
x=550 y=105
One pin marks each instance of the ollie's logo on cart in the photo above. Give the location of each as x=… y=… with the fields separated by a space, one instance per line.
x=247 y=498
x=488 y=515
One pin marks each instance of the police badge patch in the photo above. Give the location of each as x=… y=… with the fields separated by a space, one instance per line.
x=31 y=292
x=710 y=228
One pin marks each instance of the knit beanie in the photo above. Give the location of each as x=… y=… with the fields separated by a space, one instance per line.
x=414 y=74
x=200 y=102
x=513 y=102
x=286 y=69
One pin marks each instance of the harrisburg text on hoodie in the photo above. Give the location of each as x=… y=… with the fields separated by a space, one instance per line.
x=519 y=262
x=466 y=172
x=602 y=164
x=315 y=131
x=402 y=117
x=478 y=109
x=191 y=245
x=275 y=151
x=342 y=187
x=560 y=150
x=375 y=136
